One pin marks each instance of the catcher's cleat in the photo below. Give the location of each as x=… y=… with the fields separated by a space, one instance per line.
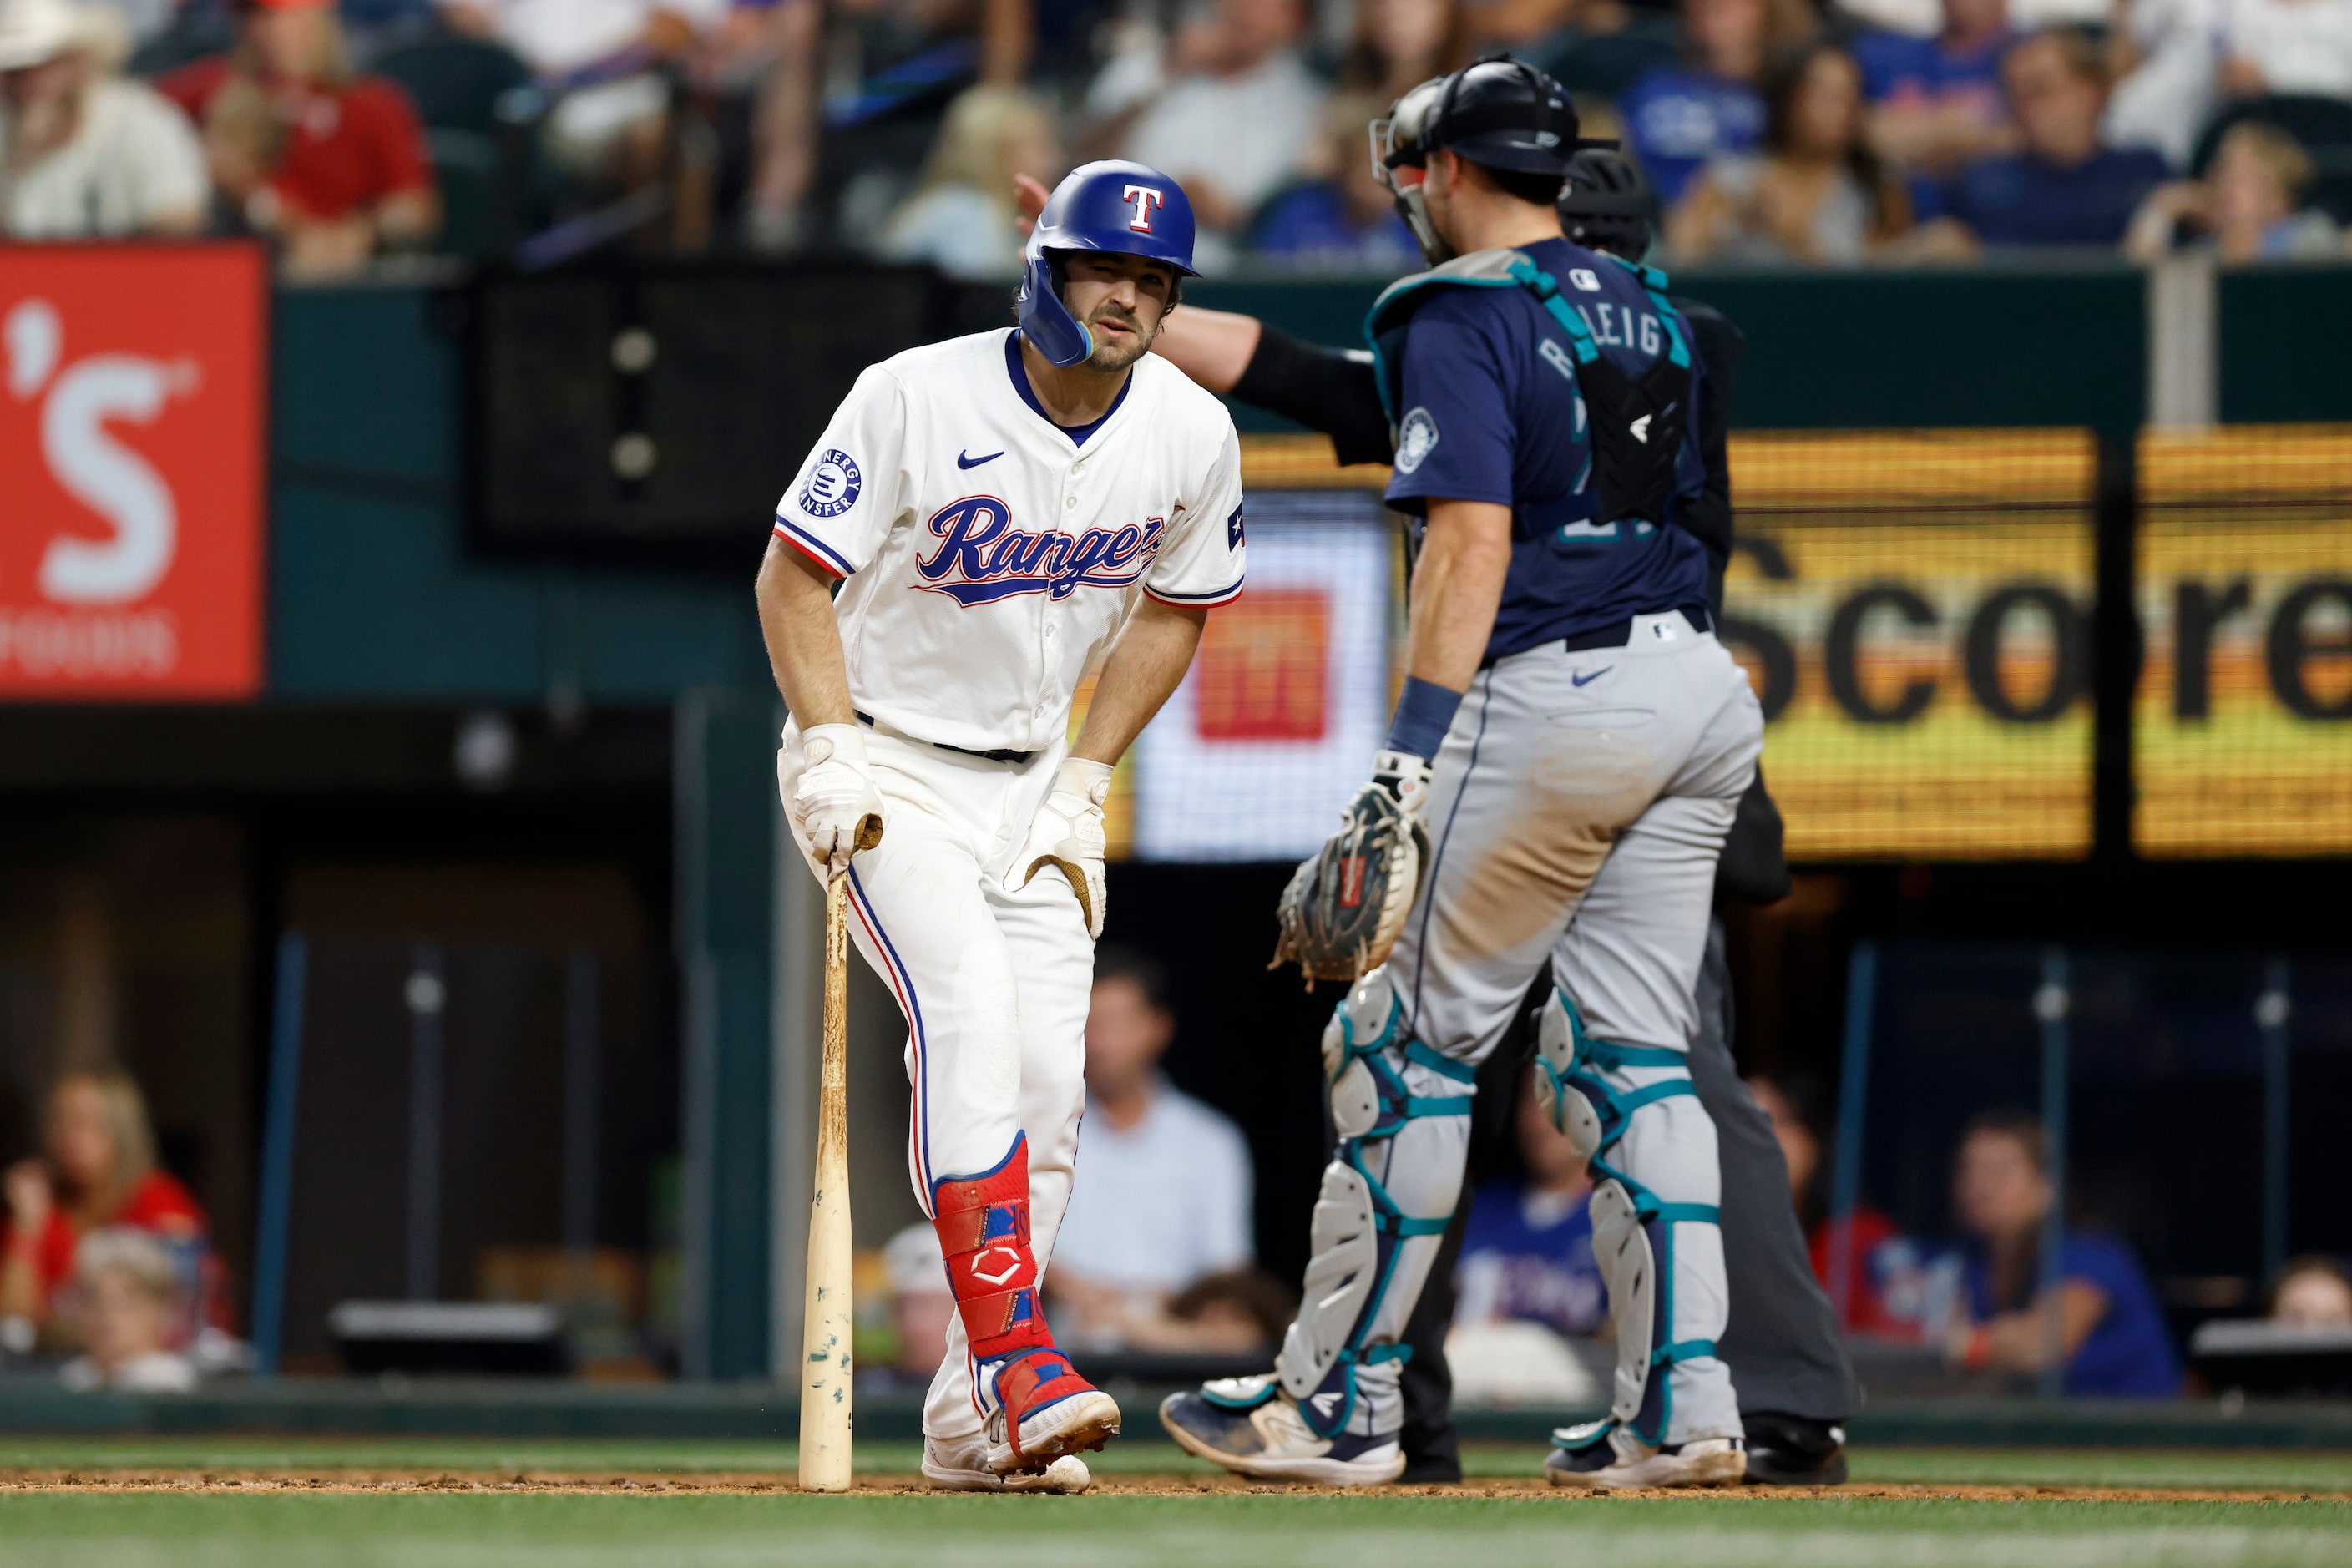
x=960 y=1465
x=1043 y=1410
x=1270 y=1440
x=1605 y=1457
x=1794 y=1450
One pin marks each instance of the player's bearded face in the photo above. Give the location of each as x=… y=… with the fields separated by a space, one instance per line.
x=1122 y=301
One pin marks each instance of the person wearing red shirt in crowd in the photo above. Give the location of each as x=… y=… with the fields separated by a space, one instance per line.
x=98 y=1171
x=1878 y=1255
x=330 y=163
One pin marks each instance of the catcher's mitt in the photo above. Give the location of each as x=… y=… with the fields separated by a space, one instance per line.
x=1346 y=904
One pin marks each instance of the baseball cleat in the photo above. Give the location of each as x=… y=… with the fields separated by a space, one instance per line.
x=1045 y=1410
x=960 y=1465
x=1794 y=1450
x=1254 y=1429
x=1603 y=1456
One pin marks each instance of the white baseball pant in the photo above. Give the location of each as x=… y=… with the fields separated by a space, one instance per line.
x=994 y=982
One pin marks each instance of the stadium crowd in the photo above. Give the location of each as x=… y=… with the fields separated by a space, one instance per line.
x=1788 y=132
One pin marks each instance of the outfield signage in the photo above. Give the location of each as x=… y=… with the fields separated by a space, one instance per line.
x=1914 y=611
x=2242 y=727
x=131 y=431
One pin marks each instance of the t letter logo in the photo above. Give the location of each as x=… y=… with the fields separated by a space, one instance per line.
x=1145 y=198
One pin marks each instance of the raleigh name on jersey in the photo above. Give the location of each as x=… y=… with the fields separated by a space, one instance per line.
x=990 y=553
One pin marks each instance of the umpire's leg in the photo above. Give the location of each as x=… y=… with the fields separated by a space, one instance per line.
x=1782 y=1341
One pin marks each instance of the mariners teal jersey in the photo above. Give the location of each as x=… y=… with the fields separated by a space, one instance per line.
x=1484 y=389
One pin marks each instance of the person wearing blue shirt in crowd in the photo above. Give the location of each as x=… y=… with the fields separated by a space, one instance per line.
x=2067 y=187
x=1343 y=222
x=1679 y=117
x=1526 y=1251
x=2111 y=1328
x=1935 y=104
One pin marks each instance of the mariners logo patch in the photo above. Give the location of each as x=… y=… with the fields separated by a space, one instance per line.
x=833 y=485
x=1416 y=439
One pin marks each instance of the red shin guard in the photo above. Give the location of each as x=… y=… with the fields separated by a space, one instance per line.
x=983 y=1227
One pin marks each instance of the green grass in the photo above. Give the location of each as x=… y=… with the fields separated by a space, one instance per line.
x=1292 y=1530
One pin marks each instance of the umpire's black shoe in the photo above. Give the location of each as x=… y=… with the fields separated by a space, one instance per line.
x=1793 y=1450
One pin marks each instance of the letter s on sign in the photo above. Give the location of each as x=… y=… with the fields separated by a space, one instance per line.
x=90 y=465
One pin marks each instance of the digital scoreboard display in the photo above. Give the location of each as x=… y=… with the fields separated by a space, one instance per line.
x=2242 y=732
x=1914 y=610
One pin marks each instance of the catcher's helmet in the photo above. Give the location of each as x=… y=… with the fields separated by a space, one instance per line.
x=1497 y=112
x=1605 y=204
x=1128 y=208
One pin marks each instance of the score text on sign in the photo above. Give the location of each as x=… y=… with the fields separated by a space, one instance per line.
x=131 y=433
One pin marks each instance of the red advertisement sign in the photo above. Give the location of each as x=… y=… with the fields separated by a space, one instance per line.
x=1264 y=662
x=132 y=438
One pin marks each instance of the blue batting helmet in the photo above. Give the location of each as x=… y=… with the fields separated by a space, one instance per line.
x=1127 y=208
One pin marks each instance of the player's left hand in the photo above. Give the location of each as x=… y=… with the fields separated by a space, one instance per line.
x=1068 y=832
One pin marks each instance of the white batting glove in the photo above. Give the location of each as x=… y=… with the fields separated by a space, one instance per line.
x=1406 y=777
x=836 y=806
x=1068 y=832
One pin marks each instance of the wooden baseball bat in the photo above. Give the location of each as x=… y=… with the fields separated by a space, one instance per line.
x=828 y=1323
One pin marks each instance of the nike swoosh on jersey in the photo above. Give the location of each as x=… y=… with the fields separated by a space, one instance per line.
x=965 y=461
x=1588 y=679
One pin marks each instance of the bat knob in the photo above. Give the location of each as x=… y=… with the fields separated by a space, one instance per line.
x=869 y=830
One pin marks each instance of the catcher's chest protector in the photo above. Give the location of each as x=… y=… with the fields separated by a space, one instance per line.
x=1636 y=423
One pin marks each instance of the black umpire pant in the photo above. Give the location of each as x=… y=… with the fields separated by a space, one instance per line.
x=1781 y=1343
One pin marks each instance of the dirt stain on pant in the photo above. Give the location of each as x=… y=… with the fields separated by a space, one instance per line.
x=1579 y=794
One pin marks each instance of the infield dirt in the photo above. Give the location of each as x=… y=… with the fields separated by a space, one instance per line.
x=609 y=1483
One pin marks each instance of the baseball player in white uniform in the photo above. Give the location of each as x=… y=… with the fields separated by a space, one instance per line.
x=982 y=518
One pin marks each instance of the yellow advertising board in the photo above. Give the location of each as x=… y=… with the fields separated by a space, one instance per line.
x=1914 y=609
x=2241 y=730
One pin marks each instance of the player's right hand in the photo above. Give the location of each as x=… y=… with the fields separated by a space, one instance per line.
x=836 y=804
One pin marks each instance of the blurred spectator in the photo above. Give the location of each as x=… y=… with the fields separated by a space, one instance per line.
x=1601 y=47
x=84 y=153
x=890 y=70
x=2110 y=1328
x=962 y=219
x=1163 y=1192
x=2065 y=188
x=1893 y=1288
x=1236 y=1312
x=1817 y=194
x=98 y=1171
x=921 y=1305
x=2165 y=57
x=2286 y=47
x=1344 y=221
x=123 y=1291
x=608 y=61
x=2248 y=208
x=2312 y=1293
x=1679 y=117
x=1399 y=45
x=770 y=51
x=1239 y=114
x=330 y=163
x=1936 y=103
x=1526 y=1250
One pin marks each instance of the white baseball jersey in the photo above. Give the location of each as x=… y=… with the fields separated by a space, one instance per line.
x=991 y=552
